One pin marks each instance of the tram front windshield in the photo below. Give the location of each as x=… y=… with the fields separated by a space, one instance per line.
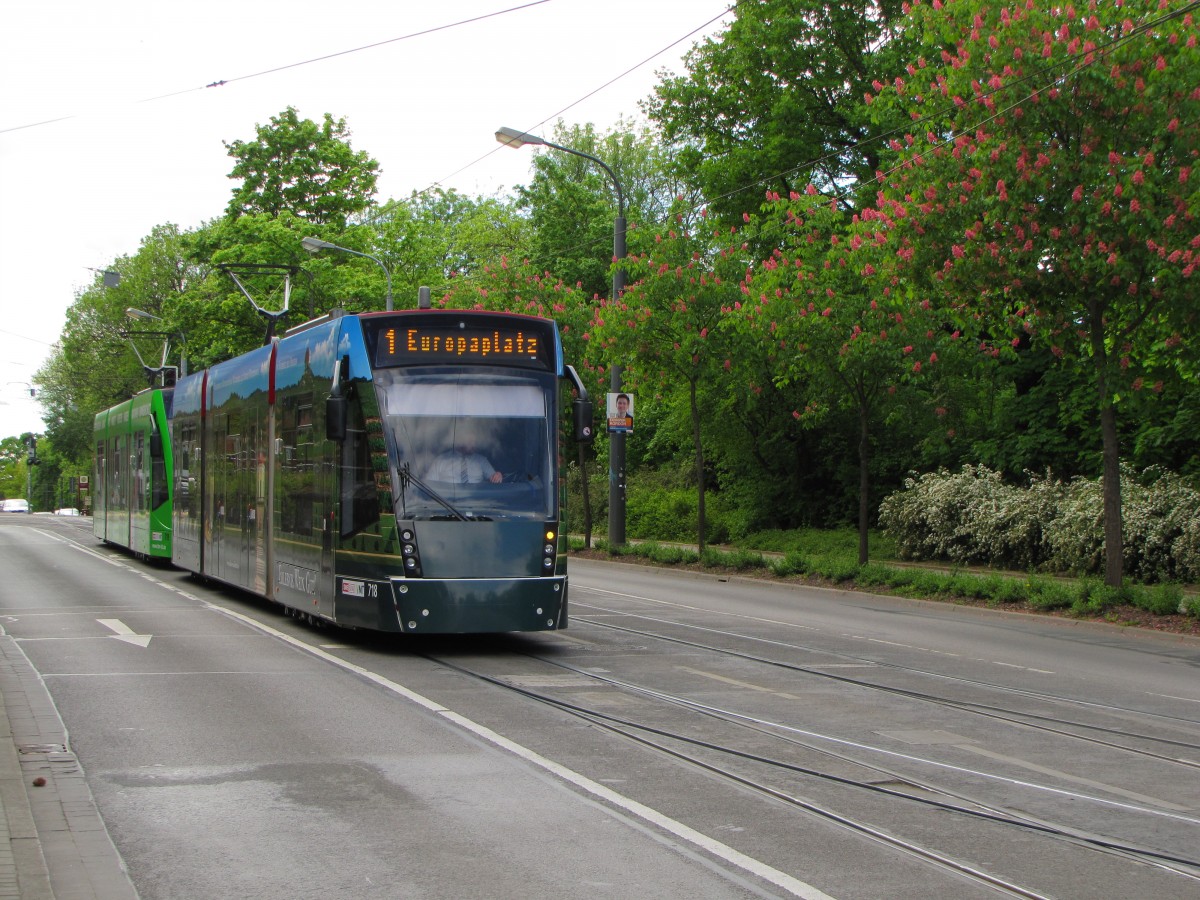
x=469 y=443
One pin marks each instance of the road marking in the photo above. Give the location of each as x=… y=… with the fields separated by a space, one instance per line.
x=1074 y=779
x=742 y=684
x=124 y=632
x=782 y=880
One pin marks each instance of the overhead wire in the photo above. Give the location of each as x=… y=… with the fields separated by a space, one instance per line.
x=586 y=96
x=224 y=81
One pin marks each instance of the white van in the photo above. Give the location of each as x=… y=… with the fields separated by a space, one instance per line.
x=14 y=506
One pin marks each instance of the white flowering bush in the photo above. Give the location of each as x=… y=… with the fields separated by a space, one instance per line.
x=974 y=516
x=968 y=517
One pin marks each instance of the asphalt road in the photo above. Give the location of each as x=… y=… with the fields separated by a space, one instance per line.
x=233 y=752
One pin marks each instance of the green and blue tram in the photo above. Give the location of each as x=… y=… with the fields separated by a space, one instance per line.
x=312 y=471
x=132 y=483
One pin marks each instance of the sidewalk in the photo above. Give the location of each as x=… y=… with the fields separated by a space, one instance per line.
x=53 y=843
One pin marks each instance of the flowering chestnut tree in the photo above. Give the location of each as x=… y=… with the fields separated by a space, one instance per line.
x=666 y=326
x=1047 y=185
x=842 y=328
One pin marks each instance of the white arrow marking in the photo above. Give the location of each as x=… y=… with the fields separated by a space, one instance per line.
x=124 y=632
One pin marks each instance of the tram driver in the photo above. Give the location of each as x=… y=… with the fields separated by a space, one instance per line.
x=463 y=464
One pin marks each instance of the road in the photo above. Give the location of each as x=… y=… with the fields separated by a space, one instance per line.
x=687 y=736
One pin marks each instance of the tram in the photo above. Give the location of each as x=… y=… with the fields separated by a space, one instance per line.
x=313 y=471
x=132 y=484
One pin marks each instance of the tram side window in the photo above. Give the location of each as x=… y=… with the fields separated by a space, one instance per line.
x=186 y=495
x=139 y=471
x=360 y=497
x=116 y=497
x=298 y=474
x=159 y=491
x=100 y=473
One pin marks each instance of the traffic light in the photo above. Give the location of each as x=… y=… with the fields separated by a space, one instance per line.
x=33 y=460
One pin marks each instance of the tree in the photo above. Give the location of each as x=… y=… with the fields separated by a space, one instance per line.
x=94 y=364
x=13 y=453
x=1048 y=183
x=775 y=102
x=666 y=327
x=438 y=236
x=298 y=166
x=842 y=328
x=573 y=204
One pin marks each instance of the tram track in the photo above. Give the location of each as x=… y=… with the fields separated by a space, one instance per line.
x=896 y=785
x=1019 y=717
x=660 y=740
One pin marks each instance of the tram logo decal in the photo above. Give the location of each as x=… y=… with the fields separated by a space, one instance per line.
x=297 y=578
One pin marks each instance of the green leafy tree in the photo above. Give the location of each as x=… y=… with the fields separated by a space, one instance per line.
x=573 y=203
x=665 y=329
x=1049 y=187
x=775 y=102
x=845 y=332
x=13 y=454
x=307 y=169
x=95 y=363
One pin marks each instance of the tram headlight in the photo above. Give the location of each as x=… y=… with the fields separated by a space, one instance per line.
x=408 y=550
x=548 y=549
x=548 y=562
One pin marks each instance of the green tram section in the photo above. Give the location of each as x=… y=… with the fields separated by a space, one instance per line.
x=132 y=492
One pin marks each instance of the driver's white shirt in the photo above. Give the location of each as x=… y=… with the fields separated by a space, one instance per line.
x=449 y=467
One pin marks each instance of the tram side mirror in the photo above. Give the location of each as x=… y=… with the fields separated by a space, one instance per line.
x=336 y=413
x=585 y=430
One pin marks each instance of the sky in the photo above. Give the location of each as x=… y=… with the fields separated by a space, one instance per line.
x=108 y=125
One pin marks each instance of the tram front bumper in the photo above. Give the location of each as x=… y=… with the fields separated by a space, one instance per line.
x=480 y=605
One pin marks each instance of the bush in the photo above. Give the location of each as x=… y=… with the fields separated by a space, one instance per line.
x=791 y=563
x=1047 y=594
x=1161 y=600
x=1190 y=606
x=875 y=575
x=974 y=517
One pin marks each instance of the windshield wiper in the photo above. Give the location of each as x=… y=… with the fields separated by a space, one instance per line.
x=407 y=478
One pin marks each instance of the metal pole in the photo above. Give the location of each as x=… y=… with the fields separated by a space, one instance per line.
x=616 y=443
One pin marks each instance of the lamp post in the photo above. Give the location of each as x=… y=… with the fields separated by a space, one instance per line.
x=511 y=137
x=316 y=245
x=133 y=313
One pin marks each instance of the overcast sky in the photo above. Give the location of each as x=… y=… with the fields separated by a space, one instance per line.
x=107 y=127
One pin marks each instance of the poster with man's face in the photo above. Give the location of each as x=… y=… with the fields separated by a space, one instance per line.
x=620 y=413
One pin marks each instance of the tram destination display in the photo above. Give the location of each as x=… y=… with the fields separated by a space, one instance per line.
x=496 y=343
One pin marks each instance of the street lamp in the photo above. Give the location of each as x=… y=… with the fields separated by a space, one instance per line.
x=511 y=137
x=133 y=313
x=316 y=245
